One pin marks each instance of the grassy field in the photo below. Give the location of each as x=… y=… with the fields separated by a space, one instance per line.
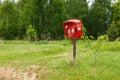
x=52 y=60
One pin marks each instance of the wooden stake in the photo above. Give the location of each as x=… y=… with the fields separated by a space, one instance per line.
x=74 y=49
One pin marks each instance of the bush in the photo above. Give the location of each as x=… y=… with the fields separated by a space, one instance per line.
x=31 y=33
x=97 y=45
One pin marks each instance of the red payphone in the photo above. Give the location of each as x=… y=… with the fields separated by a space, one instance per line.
x=73 y=28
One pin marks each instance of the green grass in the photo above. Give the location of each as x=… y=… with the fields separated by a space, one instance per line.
x=55 y=57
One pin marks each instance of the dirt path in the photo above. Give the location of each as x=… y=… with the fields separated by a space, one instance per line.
x=8 y=73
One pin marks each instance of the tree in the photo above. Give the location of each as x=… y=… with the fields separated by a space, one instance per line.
x=8 y=20
x=40 y=16
x=77 y=9
x=99 y=18
x=116 y=15
x=56 y=14
x=25 y=16
x=46 y=16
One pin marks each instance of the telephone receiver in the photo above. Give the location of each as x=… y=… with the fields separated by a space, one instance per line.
x=71 y=32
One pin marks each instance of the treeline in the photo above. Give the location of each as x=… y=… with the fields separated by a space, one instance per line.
x=42 y=19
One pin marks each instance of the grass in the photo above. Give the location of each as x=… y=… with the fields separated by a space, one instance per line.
x=55 y=58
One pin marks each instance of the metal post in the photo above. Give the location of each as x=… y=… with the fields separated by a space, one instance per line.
x=74 y=49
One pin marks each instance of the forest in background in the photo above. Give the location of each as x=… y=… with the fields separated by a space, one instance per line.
x=42 y=19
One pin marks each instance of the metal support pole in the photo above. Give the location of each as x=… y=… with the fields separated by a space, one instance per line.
x=74 y=49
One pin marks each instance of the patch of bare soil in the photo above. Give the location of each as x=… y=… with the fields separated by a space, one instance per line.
x=32 y=73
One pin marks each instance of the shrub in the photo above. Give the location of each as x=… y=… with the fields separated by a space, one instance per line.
x=31 y=33
x=96 y=46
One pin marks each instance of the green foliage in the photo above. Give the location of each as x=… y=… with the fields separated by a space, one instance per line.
x=26 y=15
x=31 y=33
x=83 y=30
x=77 y=8
x=97 y=45
x=8 y=20
x=113 y=32
x=47 y=16
x=57 y=14
x=115 y=15
x=98 y=18
x=112 y=46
